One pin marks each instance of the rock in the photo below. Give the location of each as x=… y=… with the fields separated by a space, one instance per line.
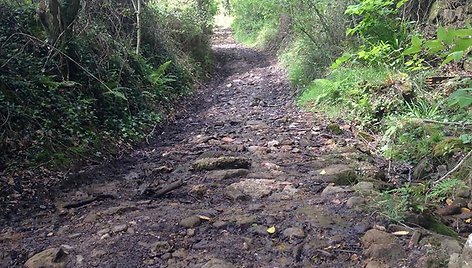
x=103 y=231
x=294 y=232
x=191 y=222
x=259 y=230
x=255 y=188
x=355 y=201
x=259 y=150
x=228 y=173
x=225 y=162
x=286 y=194
x=421 y=170
x=122 y=209
x=218 y=263
x=119 y=228
x=236 y=194
x=244 y=221
x=466 y=257
x=160 y=248
x=220 y=224
x=332 y=190
x=180 y=254
x=455 y=261
x=382 y=246
x=376 y=264
x=256 y=125
x=338 y=174
x=190 y=232
x=390 y=253
x=97 y=253
x=364 y=187
x=49 y=258
x=450 y=246
x=374 y=236
x=273 y=143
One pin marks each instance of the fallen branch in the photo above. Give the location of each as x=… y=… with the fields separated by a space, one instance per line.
x=454 y=169
x=84 y=202
x=164 y=189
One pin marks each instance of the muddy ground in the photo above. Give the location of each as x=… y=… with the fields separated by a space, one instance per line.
x=243 y=178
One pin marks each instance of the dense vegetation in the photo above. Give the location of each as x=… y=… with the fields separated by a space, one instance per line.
x=399 y=70
x=96 y=76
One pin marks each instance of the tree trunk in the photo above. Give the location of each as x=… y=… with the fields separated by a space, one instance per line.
x=137 y=8
x=57 y=18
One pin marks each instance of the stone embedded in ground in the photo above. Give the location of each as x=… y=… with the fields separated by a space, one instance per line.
x=464 y=260
x=227 y=173
x=256 y=125
x=256 y=188
x=236 y=194
x=294 y=232
x=390 y=253
x=258 y=150
x=50 y=258
x=382 y=246
x=355 y=202
x=332 y=190
x=191 y=222
x=450 y=246
x=218 y=263
x=160 y=247
x=338 y=174
x=225 y=162
x=374 y=236
x=364 y=187
x=119 y=228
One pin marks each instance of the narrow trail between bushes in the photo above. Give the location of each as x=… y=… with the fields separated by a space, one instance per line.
x=243 y=178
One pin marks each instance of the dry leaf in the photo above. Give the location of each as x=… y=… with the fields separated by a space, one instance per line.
x=323 y=172
x=468 y=220
x=205 y=218
x=399 y=233
x=271 y=230
x=465 y=210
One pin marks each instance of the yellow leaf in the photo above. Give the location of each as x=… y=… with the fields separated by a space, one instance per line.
x=399 y=233
x=449 y=202
x=468 y=221
x=205 y=218
x=465 y=210
x=323 y=172
x=271 y=230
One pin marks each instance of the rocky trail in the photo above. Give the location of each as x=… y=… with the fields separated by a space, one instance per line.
x=243 y=178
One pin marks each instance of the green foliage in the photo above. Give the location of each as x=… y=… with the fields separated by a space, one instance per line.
x=450 y=45
x=252 y=17
x=378 y=21
x=113 y=97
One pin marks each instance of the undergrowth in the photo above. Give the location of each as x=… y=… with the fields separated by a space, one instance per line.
x=368 y=62
x=110 y=97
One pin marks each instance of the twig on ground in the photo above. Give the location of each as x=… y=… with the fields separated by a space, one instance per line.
x=454 y=169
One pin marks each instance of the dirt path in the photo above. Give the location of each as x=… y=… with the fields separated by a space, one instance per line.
x=261 y=163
